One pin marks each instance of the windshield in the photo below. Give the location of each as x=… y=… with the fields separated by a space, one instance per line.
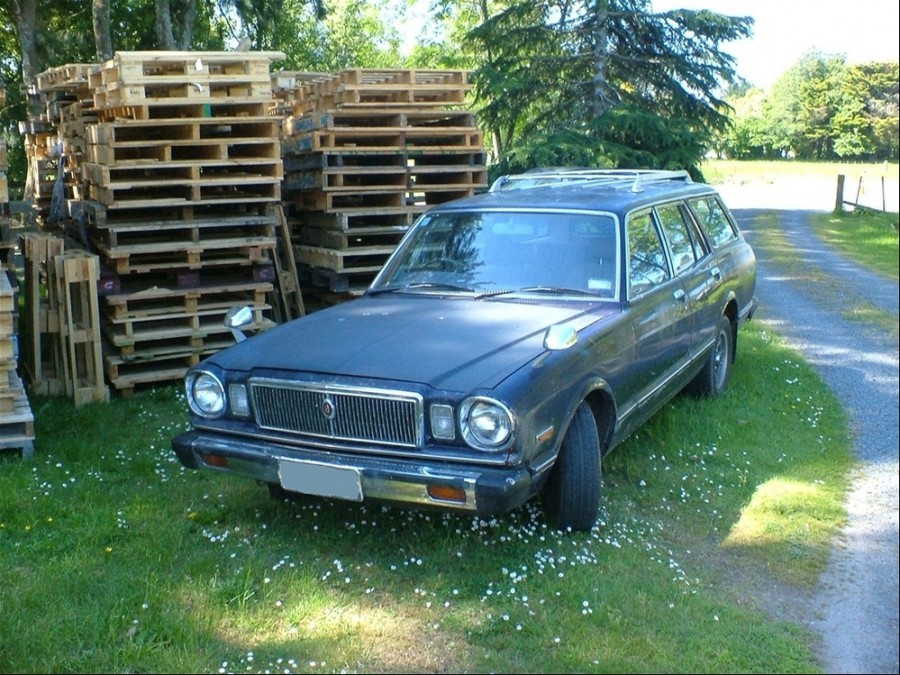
x=494 y=252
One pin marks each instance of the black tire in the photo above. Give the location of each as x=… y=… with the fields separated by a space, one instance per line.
x=571 y=496
x=713 y=379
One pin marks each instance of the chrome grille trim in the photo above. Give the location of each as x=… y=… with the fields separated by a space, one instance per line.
x=361 y=414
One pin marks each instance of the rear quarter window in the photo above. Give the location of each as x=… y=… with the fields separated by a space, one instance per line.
x=713 y=220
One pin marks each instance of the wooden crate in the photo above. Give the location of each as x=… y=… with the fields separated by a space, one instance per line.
x=75 y=275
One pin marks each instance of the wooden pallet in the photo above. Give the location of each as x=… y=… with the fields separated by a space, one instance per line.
x=346 y=240
x=412 y=140
x=212 y=109
x=380 y=118
x=182 y=78
x=17 y=424
x=289 y=303
x=382 y=88
x=363 y=259
x=149 y=218
x=66 y=77
x=156 y=256
x=74 y=278
x=40 y=343
x=224 y=188
x=156 y=301
x=188 y=330
x=379 y=201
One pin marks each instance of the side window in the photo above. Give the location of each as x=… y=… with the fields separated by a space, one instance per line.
x=675 y=228
x=713 y=220
x=647 y=266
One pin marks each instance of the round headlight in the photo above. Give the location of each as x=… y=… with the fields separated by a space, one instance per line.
x=206 y=395
x=486 y=424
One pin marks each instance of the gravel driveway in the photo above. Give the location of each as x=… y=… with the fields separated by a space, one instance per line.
x=855 y=607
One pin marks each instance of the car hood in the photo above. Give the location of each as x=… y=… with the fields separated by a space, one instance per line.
x=452 y=343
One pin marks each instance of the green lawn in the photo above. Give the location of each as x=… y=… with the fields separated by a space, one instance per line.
x=115 y=559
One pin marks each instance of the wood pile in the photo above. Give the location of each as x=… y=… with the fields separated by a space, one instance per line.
x=176 y=171
x=178 y=197
x=365 y=152
x=16 y=418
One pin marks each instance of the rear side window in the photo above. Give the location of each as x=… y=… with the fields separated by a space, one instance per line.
x=647 y=266
x=714 y=221
x=676 y=229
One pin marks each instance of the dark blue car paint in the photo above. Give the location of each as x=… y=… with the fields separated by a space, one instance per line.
x=631 y=357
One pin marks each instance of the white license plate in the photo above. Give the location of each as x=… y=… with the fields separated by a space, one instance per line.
x=319 y=479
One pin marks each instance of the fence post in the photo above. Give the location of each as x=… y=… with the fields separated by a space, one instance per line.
x=839 y=197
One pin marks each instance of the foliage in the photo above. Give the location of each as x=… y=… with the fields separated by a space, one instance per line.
x=820 y=109
x=352 y=34
x=602 y=68
x=604 y=83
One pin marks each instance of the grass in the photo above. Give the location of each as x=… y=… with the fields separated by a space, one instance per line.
x=115 y=559
x=868 y=237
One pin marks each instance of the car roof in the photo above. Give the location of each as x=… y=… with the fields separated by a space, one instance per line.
x=615 y=191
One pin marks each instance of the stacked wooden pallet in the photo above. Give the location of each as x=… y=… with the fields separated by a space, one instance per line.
x=180 y=201
x=69 y=109
x=365 y=152
x=60 y=349
x=16 y=418
x=183 y=184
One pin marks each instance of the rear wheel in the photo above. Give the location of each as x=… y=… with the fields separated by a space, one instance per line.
x=571 y=495
x=713 y=379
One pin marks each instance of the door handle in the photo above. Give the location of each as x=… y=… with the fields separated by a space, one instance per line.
x=679 y=294
x=715 y=272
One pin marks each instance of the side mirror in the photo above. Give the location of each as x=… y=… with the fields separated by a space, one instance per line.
x=560 y=337
x=236 y=319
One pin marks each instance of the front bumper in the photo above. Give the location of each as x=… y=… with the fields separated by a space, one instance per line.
x=483 y=490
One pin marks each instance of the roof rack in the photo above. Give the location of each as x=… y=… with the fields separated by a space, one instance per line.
x=544 y=177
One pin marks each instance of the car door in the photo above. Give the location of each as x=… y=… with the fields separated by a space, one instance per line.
x=717 y=270
x=659 y=309
x=689 y=253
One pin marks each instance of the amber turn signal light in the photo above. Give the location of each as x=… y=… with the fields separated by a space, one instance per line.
x=445 y=493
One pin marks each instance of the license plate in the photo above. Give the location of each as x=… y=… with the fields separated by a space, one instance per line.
x=320 y=480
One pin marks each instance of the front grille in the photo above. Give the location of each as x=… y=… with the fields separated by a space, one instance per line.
x=339 y=413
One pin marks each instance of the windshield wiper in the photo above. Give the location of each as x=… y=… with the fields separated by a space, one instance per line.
x=425 y=285
x=555 y=290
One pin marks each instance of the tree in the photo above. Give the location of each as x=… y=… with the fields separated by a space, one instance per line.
x=24 y=16
x=603 y=70
x=174 y=23
x=102 y=34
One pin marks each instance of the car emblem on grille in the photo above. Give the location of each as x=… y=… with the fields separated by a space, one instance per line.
x=328 y=408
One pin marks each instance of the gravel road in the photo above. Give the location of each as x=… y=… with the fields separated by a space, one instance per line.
x=855 y=608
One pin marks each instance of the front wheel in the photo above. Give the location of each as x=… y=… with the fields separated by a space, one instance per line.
x=713 y=379
x=571 y=496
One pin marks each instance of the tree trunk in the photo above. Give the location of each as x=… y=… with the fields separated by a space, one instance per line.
x=102 y=35
x=186 y=34
x=25 y=14
x=494 y=133
x=163 y=24
x=601 y=55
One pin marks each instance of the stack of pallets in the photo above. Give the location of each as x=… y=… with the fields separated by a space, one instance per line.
x=179 y=199
x=69 y=108
x=183 y=184
x=365 y=152
x=16 y=418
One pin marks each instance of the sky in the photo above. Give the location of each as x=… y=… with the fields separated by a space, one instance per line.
x=784 y=30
